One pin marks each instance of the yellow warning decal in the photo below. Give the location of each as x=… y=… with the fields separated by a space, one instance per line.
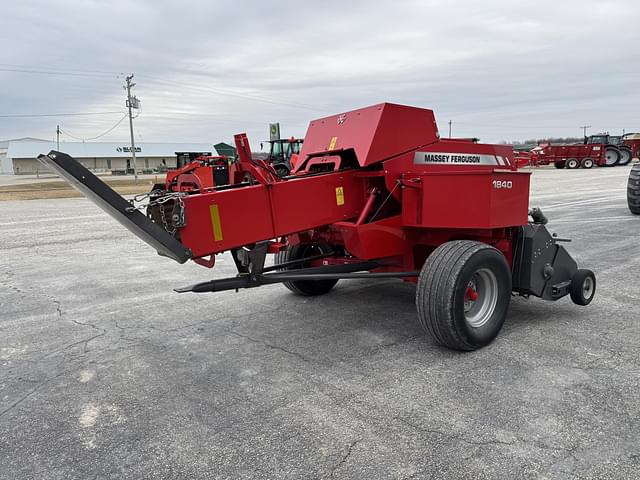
x=215 y=222
x=339 y=196
x=332 y=143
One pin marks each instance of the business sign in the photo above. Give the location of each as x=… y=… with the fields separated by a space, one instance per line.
x=128 y=149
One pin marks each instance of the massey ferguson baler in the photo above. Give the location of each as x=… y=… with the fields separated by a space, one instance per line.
x=375 y=193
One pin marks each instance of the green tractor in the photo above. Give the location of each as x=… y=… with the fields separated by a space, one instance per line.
x=281 y=150
x=617 y=153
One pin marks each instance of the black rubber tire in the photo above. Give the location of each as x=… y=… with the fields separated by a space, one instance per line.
x=577 y=291
x=625 y=155
x=633 y=190
x=572 y=163
x=587 y=162
x=441 y=290
x=558 y=164
x=611 y=148
x=306 y=288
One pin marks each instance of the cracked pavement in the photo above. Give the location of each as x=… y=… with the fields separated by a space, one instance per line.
x=105 y=372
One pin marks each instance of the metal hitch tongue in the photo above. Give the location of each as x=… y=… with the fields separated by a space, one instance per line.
x=115 y=205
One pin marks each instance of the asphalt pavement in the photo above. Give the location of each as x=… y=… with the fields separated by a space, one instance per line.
x=106 y=373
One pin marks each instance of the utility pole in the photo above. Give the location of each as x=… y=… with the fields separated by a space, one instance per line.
x=58 y=138
x=584 y=130
x=450 y=122
x=132 y=102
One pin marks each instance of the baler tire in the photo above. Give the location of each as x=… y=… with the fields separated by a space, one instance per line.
x=559 y=164
x=587 y=163
x=583 y=287
x=609 y=161
x=572 y=163
x=441 y=294
x=305 y=288
x=625 y=155
x=633 y=190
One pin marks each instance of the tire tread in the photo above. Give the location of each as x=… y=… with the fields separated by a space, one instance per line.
x=435 y=304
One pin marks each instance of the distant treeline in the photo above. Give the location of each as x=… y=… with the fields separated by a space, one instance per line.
x=535 y=141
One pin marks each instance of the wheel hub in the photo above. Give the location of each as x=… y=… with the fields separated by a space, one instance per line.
x=587 y=288
x=481 y=297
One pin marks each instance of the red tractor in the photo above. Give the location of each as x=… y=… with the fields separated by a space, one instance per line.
x=375 y=194
x=203 y=171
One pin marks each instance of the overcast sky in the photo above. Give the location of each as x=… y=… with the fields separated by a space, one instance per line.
x=206 y=69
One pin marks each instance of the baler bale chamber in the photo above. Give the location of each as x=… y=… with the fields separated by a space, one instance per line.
x=374 y=193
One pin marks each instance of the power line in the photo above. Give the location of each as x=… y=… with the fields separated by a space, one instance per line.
x=548 y=127
x=51 y=72
x=229 y=93
x=201 y=88
x=7 y=67
x=97 y=136
x=75 y=114
x=57 y=68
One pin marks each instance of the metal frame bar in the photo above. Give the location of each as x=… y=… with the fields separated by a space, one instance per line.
x=330 y=272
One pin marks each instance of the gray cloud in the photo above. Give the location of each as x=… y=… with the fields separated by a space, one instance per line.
x=206 y=70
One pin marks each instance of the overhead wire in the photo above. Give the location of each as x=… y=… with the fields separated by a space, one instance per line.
x=74 y=114
x=51 y=72
x=97 y=136
x=229 y=93
x=97 y=73
x=58 y=68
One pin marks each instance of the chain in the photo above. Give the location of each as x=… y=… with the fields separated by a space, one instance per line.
x=177 y=215
x=163 y=197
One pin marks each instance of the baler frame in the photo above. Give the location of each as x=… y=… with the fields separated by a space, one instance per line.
x=375 y=194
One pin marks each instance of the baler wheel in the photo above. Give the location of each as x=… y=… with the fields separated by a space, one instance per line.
x=572 y=163
x=586 y=162
x=625 y=155
x=463 y=294
x=633 y=190
x=583 y=287
x=559 y=164
x=305 y=288
x=611 y=156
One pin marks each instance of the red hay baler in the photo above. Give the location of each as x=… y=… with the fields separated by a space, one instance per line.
x=375 y=193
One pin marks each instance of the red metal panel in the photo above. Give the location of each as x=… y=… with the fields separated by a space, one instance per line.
x=474 y=200
x=459 y=156
x=304 y=203
x=375 y=133
x=244 y=217
x=250 y=214
x=384 y=238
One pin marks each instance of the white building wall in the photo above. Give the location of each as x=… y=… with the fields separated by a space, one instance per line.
x=6 y=165
x=20 y=156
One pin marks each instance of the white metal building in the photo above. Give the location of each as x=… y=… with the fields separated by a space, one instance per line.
x=18 y=156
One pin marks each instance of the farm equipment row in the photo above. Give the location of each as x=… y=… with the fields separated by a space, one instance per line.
x=597 y=150
x=373 y=194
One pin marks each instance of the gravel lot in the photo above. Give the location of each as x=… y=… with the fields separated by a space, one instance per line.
x=106 y=373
